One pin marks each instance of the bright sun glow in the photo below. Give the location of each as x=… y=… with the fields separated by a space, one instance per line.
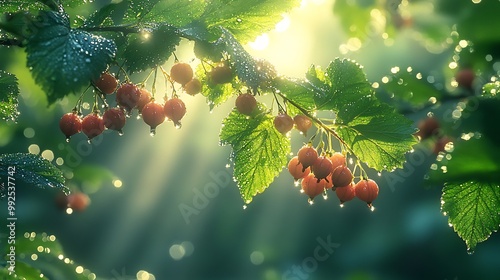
x=260 y=43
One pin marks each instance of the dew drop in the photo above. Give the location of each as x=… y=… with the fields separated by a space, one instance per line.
x=178 y=125
x=469 y=251
x=342 y=205
x=296 y=183
x=244 y=206
x=310 y=201
x=152 y=132
x=67 y=139
x=120 y=132
x=89 y=141
x=371 y=207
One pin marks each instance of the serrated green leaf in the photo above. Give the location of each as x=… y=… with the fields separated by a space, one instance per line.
x=473 y=210
x=32 y=170
x=9 y=91
x=246 y=19
x=175 y=12
x=63 y=60
x=375 y=132
x=148 y=50
x=379 y=136
x=408 y=87
x=259 y=151
x=215 y=94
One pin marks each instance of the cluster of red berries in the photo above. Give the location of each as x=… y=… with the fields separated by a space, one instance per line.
x=246 y=104
x=318 y=173
x=129 y=97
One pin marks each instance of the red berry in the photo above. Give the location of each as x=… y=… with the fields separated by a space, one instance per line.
x=181 y=73
x=322 y=167
x=193 y=87
x=312 y=187
x=346 y=193
x=428 y=127
x=296 y=170
x=221 y=75
x=92 y=125
x=174 y=109
x=338 y=159
x=307 y=155
x=107 y=83
x=78 y=201
x=70 y=124
x=153 y=115
x=465 y=78
x=367 y=191
x=302 y=123
x=246 y=103
x=341 y=176
x=127 y=96
x=144 y=99
x=283 y=123
x=114 y=118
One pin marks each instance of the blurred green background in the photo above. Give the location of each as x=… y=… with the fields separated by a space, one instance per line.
x=135 y=222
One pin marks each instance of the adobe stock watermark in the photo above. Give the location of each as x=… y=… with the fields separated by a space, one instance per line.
x=321 y=253
x=10 y=187
x=201 y=197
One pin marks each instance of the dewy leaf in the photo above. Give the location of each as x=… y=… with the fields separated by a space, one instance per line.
x=378 y=135
x=259 y=151
x=150 y=49
x=473 y=210
x=410 y=87
x=11 y=6
x=241 y=61
x=32 y=170
x=176 y=12
x=9 y=91
x=246 y=19
x=297 y=92
x=63 y=60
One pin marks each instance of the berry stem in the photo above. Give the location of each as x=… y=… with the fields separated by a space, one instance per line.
x=318 y=121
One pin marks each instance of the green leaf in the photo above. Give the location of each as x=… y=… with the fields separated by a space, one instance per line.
x=472 y=208
x=246 y=19
x=9 y=91
x=259 y=151
x=215 y=94
x=297 y=92
x=410 y=88
x=175 y=12
x=23 y=271
x=491 y=89
x=148 y=50
x=32 y=170
x=63 y=60
x=100 y=16
x=378 y=135
x=242 y=62
x=47 y=249
x=12 y=6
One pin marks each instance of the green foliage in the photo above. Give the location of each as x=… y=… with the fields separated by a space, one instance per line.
x=245 y=19
x=354 y=16
x=32 y=170
x=175 y=12
x=48 y=262
x=259 y=151
x=63 y=60
x=409 y=87
x=150 y=49
x=215 y=94
x=9 y=91
x=472 y=208
x=12 y=6
x=376 y=134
